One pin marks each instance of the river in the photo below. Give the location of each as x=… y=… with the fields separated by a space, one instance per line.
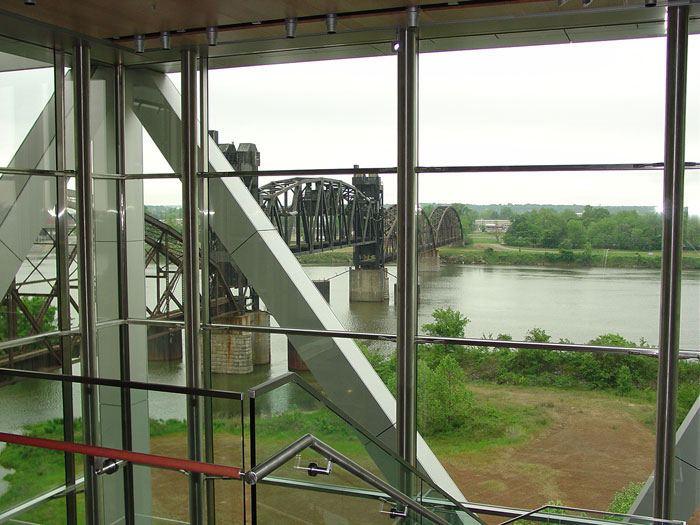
x=577 y=304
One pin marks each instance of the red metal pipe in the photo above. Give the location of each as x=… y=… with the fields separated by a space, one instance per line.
x=139 y=458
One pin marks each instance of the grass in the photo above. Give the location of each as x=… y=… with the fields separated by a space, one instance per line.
x=482 y=252
x=485 y=254
x=36 y=471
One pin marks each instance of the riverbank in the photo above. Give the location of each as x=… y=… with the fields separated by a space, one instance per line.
x=498 y=255
x=501 y=255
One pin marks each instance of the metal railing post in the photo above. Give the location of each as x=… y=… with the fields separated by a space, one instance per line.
x=672 y=258
x=190 y=275
x=62 y=276
x=123 y=276
x=203 y=189
x=407 y=268
x=86 y=271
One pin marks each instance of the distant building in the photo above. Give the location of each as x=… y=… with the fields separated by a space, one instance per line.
x=491 y=225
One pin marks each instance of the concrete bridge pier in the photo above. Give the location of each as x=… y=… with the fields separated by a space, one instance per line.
x=236 y=352
x=369 y=285
x=429 y=261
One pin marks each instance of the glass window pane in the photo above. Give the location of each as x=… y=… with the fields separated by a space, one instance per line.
x=568 y=103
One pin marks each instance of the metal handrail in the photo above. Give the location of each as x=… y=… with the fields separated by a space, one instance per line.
x=538 y=510
x=479 y=508
x=257 y=473
x=118 y=383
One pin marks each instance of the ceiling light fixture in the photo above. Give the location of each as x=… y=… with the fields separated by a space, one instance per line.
x=332 y=23
x=412 y=15
x=165 y=39
x=212 y=33
x=140 y=43
x=290 y=26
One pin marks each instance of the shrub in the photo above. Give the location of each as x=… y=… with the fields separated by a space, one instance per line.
x=623 y=500
x=444 y=401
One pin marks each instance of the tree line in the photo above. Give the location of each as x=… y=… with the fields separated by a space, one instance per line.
x=621 y=228
x=597 y=227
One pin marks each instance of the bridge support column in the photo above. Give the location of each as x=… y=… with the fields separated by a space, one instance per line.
x=429 y=261
x=369 y=285
x=236 y=352
x=164 y=344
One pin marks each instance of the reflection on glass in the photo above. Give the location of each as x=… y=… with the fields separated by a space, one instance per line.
x=26 y=112
x=30 y=301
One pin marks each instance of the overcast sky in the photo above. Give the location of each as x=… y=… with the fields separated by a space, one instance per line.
x=572 y=103
x=567 y=103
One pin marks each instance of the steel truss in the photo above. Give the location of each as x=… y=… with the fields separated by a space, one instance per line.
x=441 y=228
x=316 y=214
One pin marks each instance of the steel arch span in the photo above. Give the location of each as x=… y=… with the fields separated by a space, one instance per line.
x=446 y=225
x=316 y=214
x=441 y=228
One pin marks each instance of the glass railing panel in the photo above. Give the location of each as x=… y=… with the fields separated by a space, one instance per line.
x=275 y=429
x=33 y=407
x=50 y=512
x=168 y=436
x=288 y=505
x=289 y=412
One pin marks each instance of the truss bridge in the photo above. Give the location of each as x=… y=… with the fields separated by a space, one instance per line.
x=310 y=214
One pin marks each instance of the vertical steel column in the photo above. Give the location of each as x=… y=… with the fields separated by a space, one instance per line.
x=407 y=270
x=206 y=304
x=672 y=256
x=86 y=270
x=190 y=276
x=62 y=276
x=122 y=277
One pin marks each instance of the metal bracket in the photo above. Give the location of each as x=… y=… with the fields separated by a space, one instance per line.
x=313 y=469
x=106 y=466
x=393 y=511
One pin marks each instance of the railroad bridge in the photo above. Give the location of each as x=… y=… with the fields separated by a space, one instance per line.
x=311 y=215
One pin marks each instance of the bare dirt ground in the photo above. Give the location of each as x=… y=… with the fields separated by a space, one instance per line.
x=593 y=447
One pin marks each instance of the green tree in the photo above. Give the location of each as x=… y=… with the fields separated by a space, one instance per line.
x=576 y=233
x=506 y=212
x=591 y=214
x=447 y=323
x=444 y=401
x=48 y=323
x=692 y=233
